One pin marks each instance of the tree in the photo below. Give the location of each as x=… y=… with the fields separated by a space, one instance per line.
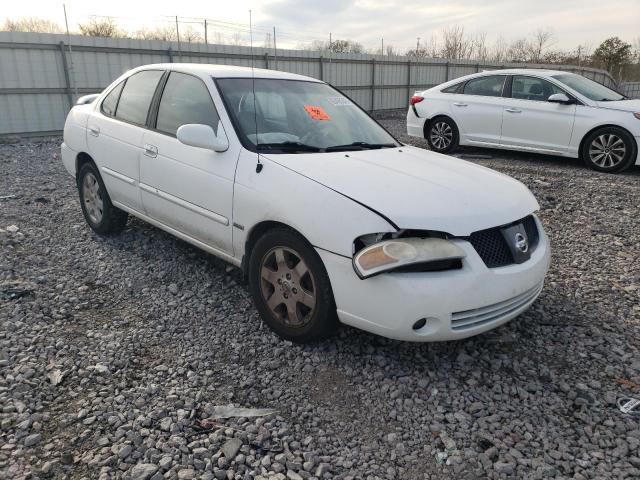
x=612 y=54
x=101 y=27
x=31 y=24
x=542 y=39
x=165 y=34
x=191 y=35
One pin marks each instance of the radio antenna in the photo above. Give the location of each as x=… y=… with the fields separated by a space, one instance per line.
x=253 y=89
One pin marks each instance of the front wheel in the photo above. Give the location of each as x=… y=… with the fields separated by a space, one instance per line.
x=609 y=149
x=442 y=135
x=290 y=287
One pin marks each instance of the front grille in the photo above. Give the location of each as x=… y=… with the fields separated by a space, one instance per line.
x=477 y=317
x=493 y=248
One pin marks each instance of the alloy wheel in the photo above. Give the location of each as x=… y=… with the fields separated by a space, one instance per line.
x=607 y=150
x=441 y=135
x=288 y=286
x=92 y=198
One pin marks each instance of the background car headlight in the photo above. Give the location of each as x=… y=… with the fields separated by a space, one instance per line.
x=415 y=254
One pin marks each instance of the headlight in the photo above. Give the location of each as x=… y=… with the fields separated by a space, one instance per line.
x=416 y=254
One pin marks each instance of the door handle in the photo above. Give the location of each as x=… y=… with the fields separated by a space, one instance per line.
x=93 y=130
x=458 y=104
x=513 y=110
x=150 y=150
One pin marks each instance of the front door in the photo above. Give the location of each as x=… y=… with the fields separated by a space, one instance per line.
x=187 y=188
x=533 y=123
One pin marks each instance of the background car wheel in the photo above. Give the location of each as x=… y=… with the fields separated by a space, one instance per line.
x=100 y=214
x=609 y=149
x=442 y=135
x=290 y=287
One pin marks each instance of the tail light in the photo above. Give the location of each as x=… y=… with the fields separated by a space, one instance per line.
x=415 y=99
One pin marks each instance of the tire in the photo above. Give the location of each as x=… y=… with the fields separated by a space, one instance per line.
x=99 y=212
x=276 y=276
x=442 y=135
x=609 y=149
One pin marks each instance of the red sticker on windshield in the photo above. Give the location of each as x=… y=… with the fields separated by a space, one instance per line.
x=317 y=113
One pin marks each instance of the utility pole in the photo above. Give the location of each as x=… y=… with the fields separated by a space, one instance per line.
x=178 y=35
x=417 y=45
x=382 y=46
x=275 y=49
x=72 y=67
x=330 y=45
x=206 y=40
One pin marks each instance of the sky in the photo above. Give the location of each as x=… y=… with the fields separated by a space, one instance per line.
x=572 y=22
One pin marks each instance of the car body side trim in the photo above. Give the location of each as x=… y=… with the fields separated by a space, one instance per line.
x=216 y=217
x=119 y=176
x=206 y=247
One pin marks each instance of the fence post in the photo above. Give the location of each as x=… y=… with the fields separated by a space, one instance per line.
x=266 y=60
x=67 y=79
x=321 y=67
x=373 y=83
x=170 y=53
x=446 y=72
x=408 y=80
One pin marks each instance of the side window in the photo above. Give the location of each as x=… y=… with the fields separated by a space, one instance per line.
x=453 y=88
x=110 y=102
x=137 y=95
x=185 y=100
x=490 y=86
x=532 y=88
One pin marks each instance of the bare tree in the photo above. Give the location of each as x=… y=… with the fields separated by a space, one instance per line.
x=456 y=45
x=236 y=39
x=31 y=24
x=101 y=27
x=542 y=39
x=479 y=46
x=268 y=42
x=191 y=35
x=166 y=33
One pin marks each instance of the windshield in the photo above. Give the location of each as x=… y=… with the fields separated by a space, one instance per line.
x=590 y=89
x=295 y=116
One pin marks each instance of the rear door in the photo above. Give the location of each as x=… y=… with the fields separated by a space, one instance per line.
x=477 y=110
x=533 y=123
x=187 y=188
x=114 y=135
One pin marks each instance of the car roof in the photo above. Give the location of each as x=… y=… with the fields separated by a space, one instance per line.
x=525 y=71
x=225 y=71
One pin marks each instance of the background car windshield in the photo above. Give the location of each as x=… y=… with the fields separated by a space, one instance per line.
x=297 y=112
x=590 y=89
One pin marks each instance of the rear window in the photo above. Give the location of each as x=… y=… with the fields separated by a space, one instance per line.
x=137 y=95
x=110 y=102
x=453 y=88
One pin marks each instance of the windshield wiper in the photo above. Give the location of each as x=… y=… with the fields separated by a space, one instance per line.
x=359 y=146
x=288 y=146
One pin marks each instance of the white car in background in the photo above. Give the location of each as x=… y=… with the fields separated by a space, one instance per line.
x=327 y=214
x=541 y=111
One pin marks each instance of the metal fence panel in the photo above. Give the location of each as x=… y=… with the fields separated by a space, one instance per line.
x=39 y=76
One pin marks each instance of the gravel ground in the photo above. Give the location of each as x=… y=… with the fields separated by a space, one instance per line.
x=113 y=351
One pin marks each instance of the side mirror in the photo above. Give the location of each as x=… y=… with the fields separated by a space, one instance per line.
x=203 y=136
x=559 y=98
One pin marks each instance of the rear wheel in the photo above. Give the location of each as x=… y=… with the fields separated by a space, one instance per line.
x=99 y=212
x=291 y=288
x=609 y=149
x=442 y=135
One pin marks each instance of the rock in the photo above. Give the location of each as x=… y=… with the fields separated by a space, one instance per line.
x=143 y=471
x=32 y=440
x=231 y=447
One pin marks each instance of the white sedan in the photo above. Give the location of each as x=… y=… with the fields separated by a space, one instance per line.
x=541 y=111
x=330 y=218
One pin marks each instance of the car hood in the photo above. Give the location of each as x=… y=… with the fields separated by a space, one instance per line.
x=623 y=105
x=418 y=189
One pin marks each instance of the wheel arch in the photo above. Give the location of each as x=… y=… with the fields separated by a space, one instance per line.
x=81 y=159
x=600 y=127
x=257 y=231
x=429 y=121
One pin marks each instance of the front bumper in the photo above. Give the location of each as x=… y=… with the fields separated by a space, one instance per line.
x=456 y=304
